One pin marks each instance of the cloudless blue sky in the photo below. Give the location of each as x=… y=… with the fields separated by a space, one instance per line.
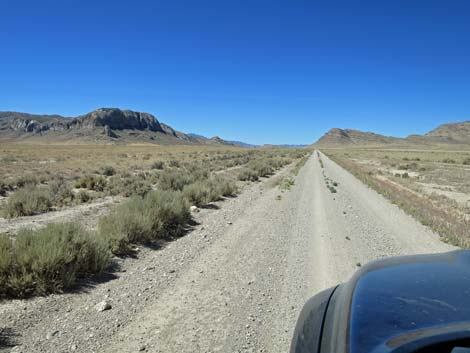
x=258 y=71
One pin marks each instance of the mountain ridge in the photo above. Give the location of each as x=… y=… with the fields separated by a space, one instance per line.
x=449 y=133
x=103 y=125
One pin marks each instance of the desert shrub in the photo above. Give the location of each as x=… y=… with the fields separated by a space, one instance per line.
x=28 y=201
x=158 y=165
x=91 y=182
x=159 y=215
x=199 y=193
x=466 y=161
x=197 y=172
x=225 y=187
x=405 y=175
x=247 y=174
x=50 y=259
x=6 y=263
x=24 y=180
x=174 y=163
x=127 y=186
x=174 y=180
x=60 y=193
x=262 y=167
x=127 y=224
x=169 y=211
x=286 y=184
x=403 y=167
x=448 y=160
x=82 y=196
x=277 y=163
x=9 y=159
x=108 y=171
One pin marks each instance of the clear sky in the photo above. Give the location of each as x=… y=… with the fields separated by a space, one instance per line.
x=257 y=71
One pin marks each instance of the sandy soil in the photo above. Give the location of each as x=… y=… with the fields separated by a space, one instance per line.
x=237 y=282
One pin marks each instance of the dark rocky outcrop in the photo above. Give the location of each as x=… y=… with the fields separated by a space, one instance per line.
x=102 y=125
x=117 y=119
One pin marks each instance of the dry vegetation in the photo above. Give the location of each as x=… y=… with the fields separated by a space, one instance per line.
x=431 y=185
x=161 y=184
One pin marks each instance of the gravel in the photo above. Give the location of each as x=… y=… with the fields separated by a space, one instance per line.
x=236 y=282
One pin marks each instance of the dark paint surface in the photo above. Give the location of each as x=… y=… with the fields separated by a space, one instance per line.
x=395 y=305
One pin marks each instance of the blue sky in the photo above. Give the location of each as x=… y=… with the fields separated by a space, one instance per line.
x=258 y=71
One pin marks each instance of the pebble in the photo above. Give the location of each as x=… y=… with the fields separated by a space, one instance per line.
x=102 y=306
x=51 y=334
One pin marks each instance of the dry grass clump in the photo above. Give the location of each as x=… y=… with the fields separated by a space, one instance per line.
x=175 y=179
x=49 y=260
x=200 y=193
x=127 y=186
x=28 y=201
x=91 y=182
x=27 y=179
x=247 y=174
x=262 y=167
x=205 y=191
x=448 y=161
x=31 y=199
x=158 y=165
x=197 y=184
x=108 y=171
x=286 y=184
x=60 y=193
x=159 y=215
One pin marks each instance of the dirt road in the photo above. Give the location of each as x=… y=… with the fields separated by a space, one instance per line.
x=238 y=281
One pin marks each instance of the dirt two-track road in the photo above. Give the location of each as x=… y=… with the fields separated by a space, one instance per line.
x=238 y=281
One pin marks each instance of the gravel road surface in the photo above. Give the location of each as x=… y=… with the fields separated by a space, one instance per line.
x=237 y=282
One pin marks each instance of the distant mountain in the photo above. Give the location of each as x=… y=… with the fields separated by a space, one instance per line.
x=237 y=143
x=353 y=137
x=104 y=125
x=198 y=136
x=293 y=146
x=243 y=144
x=453 y=133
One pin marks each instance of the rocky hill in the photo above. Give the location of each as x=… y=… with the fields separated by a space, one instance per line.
x=454 y=133
x=104 y=125
x=451 y=133
x=353 y=137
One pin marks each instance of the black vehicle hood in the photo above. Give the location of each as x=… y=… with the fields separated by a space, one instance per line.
x=399 y=302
